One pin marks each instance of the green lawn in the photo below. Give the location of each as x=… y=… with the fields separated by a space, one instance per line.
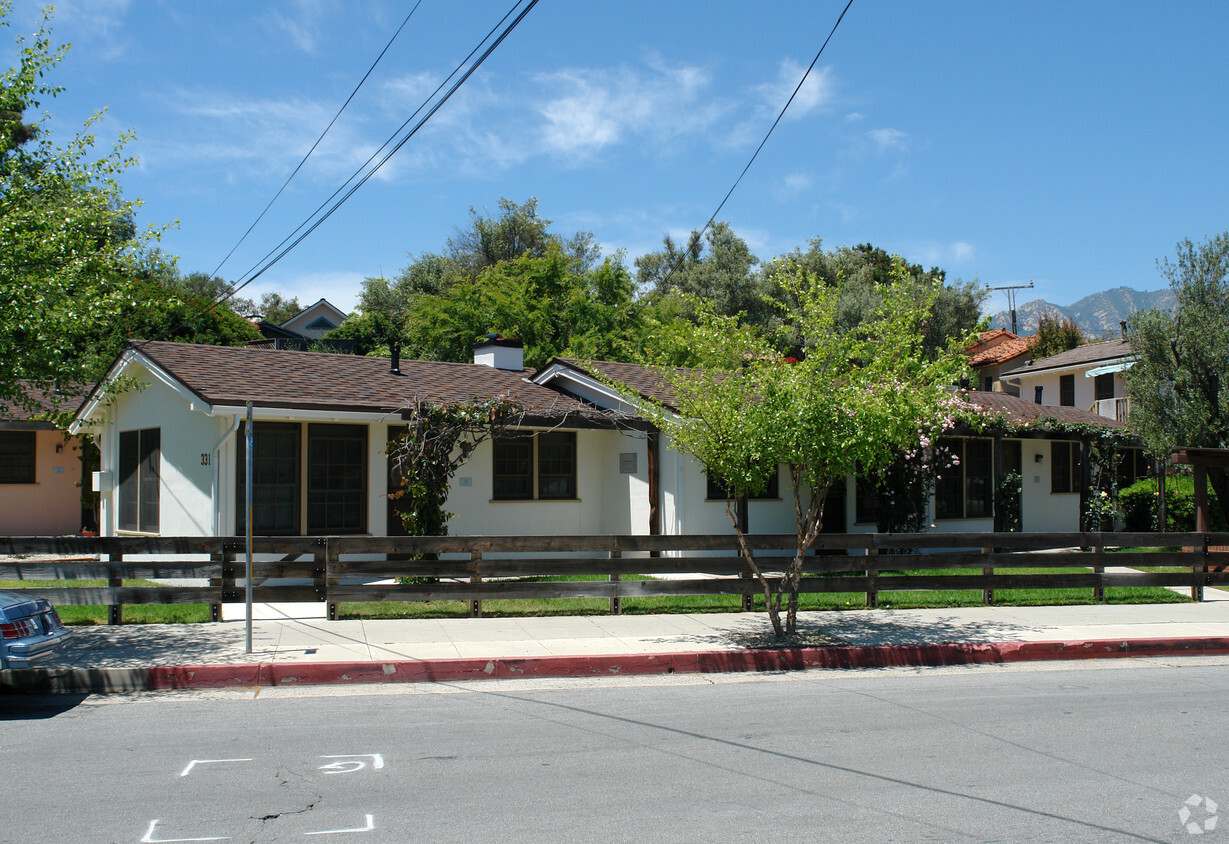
x=194 y=613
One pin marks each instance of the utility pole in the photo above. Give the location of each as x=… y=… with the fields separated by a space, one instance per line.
x=1011 y=299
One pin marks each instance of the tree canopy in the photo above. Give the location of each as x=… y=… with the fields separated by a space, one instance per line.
x=70 y=254
x=1055 y=335
x=853 y=401
x=1179 y=380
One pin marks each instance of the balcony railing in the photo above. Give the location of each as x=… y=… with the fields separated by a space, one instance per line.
x=1116 y=408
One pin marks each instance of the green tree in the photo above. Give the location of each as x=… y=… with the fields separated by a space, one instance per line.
x=716 y=267
x=540 y=300
x=853 y=402
x=862 y=272
x=70 y=255
x=1055 y=335
x=1179 y=382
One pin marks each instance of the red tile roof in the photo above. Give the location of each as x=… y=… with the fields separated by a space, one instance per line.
x=997 y=347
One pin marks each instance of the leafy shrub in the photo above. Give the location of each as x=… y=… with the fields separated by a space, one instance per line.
x=1139 y=505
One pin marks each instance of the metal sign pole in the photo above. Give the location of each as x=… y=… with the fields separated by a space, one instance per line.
x=251 y=439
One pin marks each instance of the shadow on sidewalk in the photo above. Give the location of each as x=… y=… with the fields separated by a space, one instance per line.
x=862 y=628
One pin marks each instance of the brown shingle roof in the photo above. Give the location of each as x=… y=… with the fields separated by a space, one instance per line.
x=643 y=380
x=1086 y=355
x=1023 y=412
x=47 y=403
x=231 y=375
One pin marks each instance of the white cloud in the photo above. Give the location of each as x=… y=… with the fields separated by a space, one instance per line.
x=255 y=138
x=588 y=110
x=340 y=288
x=887 y=139
x=797 y=182
x=301 y=24
x=952 y=255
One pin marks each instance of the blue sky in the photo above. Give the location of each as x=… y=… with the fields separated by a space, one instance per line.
x=1071 y=144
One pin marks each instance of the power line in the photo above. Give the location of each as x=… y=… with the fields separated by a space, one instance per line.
x=756 y=154
x=307 y=226
x=318 y=140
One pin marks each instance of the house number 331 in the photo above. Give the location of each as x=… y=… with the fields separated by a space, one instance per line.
x=205 y=459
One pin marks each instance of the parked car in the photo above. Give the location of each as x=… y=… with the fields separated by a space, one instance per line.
x=30 y=630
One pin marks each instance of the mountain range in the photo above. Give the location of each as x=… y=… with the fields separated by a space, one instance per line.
x=1098 y=315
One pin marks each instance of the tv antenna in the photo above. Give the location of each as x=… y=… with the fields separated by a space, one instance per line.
x=1011 y=299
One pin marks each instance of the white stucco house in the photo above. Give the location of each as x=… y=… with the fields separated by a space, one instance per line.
x=583 y=461
x=1088 y=377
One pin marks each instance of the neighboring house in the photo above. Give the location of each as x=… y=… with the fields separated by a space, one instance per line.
x=993 y=352
x=305 y=329
x=585 y=460
x=315 y=321
x=41 y=469
x=1088 y=377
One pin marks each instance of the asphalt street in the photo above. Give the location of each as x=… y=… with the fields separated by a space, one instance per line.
x=1120 y=750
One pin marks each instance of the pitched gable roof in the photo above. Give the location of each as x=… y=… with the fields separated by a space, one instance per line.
x=997 y=347
x=1086 y=355
x=231 y=375
x=643 y=380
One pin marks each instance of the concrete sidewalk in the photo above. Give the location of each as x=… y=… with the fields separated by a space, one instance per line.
x=295 y=651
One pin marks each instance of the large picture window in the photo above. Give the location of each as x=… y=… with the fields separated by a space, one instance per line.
x=17 y=457
x=337 y=478
x=540 y=466
x=333 y=500
x=965 y=491
x=140 y=465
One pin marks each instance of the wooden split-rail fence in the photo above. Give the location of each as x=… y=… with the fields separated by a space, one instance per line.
x=473 y=569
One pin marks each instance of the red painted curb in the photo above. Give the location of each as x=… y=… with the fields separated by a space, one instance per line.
x=762 y=659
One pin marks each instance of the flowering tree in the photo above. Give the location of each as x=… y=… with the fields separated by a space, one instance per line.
x=851 y=403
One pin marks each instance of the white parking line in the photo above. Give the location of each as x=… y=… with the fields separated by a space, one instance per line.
x=371 y=824
x=206 y=761
x=149 y=836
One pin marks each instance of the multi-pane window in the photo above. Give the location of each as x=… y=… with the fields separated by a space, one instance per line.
x=557 y=464
x=336 y=479
x=1064 y=466
x=537 y=466
x=275 y=479
x=1103 y=386
x=966 y=490
x=17 y=457
x=1066 y=390
x=140 y=461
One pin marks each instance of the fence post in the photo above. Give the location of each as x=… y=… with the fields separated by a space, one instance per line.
x=1098 y=591
x=987 y=595
x=1202 y=567
x=228 y=580
x=475 y=606
x=115 y=612
x=616 y=603
x=330 y=557
x=872 y=586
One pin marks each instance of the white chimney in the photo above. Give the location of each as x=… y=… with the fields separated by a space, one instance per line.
x=500 y=353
